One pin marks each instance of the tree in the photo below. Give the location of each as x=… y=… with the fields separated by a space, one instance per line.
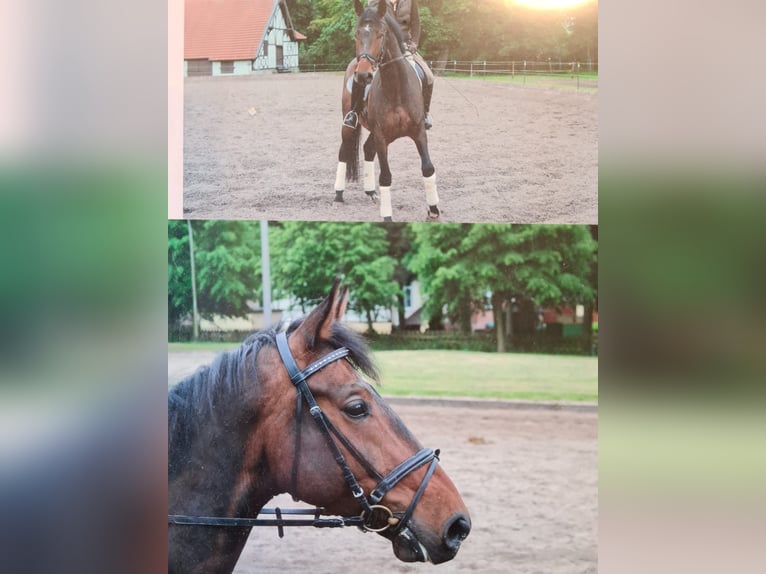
x=332 y=28
x=444 y=275
x=227 y=258
x=592 y=305
x=399 y=237
x=301 y=14
x=179 y=272
x=458 y=265
x=309 y=255
x=459 y=29
x=442 y=24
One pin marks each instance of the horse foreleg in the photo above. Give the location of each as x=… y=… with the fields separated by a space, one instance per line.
x=340 y=180
x=369 y=167
x=432 y=197
x=429 y=176
x=348 y=159
x=386 y=210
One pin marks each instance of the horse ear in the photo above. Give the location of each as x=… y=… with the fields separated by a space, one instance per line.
x=342 y=303
x=358 y=7
x=317 y=326
x=382 y=8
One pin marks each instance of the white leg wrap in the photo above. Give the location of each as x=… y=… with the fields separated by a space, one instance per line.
x=385 y=201
x=432 y=198
x=369 y=176
x=340 y=177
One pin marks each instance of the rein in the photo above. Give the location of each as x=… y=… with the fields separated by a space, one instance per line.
x=374 y=516
x=378 y=63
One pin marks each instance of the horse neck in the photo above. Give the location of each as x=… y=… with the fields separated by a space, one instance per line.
x=395 y=70
x=224 y=475
x=217 y=456
x=393 y=50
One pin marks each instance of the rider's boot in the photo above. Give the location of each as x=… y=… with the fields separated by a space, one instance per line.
x=357 y=96
x=428 y=90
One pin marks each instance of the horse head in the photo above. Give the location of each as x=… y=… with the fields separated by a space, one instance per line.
x=395 y=484
x=373 y=30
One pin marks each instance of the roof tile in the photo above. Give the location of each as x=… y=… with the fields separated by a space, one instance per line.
x=225 y=29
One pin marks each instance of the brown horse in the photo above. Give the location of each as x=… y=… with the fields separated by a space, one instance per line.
x=236 y=439
x=394 y=109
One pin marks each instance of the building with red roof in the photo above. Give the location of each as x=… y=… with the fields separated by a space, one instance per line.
x=238 y=37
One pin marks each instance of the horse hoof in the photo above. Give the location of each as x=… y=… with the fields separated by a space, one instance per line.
x=387 y=218
x=339 y=196
x=372 y=195
x=433 y=212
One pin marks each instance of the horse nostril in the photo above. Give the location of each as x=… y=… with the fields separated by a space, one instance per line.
x=457 y=531
x=363 y=78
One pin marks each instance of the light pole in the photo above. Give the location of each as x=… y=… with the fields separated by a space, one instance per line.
x=266 y=272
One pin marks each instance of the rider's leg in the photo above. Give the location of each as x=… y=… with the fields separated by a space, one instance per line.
x=428 y=89
x=357 y=97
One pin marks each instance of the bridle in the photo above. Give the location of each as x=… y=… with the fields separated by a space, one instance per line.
x=377 y=62
x=374 y=517
x=369 y=504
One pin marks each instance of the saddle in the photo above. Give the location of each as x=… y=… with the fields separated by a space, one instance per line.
x=419 y=72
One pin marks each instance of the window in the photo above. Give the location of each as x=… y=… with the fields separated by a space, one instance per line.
x=227 y=67
x=266 y=49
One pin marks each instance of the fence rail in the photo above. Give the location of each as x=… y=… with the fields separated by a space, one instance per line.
x=513 y=67
x=480 y=67
x=549 y=73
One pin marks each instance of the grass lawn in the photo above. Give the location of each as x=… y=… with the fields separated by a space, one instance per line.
x=488 y=375
x=471 y=374
x=212 y=347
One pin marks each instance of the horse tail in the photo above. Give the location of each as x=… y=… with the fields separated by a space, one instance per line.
x=352 y=159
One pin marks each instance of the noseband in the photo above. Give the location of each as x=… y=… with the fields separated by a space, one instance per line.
x=372 y=510
x=371 y=59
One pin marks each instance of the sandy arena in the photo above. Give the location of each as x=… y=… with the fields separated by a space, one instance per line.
x=528 y=477
x=266 y=147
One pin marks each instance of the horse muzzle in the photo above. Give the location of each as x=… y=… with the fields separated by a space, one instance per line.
x=363 y=77
x=409 y=548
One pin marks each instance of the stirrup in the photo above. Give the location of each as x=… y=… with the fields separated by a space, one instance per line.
x=351 y=120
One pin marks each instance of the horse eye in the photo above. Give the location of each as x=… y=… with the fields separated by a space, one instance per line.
x=356 y=409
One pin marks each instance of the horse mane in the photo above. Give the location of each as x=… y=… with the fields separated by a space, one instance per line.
x=394 y=27
x=202 y=398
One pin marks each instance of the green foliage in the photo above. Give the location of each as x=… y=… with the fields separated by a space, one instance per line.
x=179 y=272
x=444 y=275
x=227 y=260
x=497 y=30
x=459 y=264
x=227 y=255
x=459 y=29
x=442 y=26
x=301 y=14
x=309 y=255
x=331 y=32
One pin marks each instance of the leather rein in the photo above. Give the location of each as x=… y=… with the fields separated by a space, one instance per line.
x=374 y=517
